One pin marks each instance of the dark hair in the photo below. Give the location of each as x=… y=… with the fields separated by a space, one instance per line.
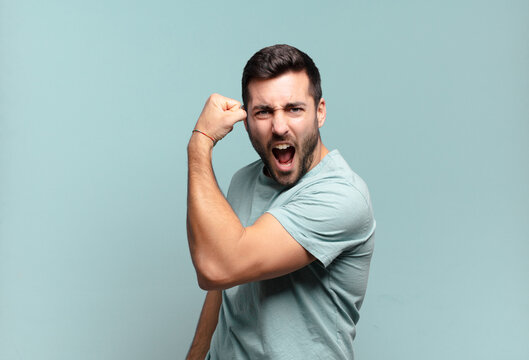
x=273 y=61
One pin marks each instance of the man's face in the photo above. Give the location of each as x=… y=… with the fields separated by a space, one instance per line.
x=283 y=124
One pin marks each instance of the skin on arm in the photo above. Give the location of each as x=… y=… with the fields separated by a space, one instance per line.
x=224 y=252
x=206 y=326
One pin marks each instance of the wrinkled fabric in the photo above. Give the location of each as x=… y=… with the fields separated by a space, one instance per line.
x=312 y=312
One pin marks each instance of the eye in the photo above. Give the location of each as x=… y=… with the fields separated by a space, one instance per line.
x=263 y=114
x=295 y=110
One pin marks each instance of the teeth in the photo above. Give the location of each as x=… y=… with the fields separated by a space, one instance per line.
x=282 y=146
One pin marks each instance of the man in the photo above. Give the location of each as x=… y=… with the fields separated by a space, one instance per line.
x=285 y=258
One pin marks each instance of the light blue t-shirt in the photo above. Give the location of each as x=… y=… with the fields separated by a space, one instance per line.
x=310 y=313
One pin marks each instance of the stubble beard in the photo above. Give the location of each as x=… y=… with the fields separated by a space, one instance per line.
x=306 y=155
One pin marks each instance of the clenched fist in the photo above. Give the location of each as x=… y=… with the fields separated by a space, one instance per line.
x=219 y=115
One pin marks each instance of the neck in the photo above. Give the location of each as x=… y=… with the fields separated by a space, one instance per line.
x=319 y=153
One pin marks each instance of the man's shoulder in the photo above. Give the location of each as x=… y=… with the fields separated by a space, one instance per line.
x=250 y=170
x=336 y=172
x=244 y=178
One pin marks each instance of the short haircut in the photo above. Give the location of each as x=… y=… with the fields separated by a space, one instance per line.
x=273 y=61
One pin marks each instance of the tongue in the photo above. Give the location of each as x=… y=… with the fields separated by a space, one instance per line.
x=285 y=156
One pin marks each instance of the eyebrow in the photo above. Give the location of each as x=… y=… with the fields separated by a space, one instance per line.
x=287 y=106
x=262 y=107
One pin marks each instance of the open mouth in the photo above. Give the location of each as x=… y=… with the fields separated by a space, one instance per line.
x=284 y=154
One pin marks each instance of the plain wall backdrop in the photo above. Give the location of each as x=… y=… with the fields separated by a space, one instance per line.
x=427 y=100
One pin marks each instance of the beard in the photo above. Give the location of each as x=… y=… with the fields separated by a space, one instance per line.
x=304 y=150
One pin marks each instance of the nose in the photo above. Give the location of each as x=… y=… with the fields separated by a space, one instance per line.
x=279 y=123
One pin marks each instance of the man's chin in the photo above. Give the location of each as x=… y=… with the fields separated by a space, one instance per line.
x=285 y=179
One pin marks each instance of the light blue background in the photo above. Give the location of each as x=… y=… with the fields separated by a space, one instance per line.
x=427 y=100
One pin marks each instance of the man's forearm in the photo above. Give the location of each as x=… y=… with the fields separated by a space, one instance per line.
x=213 y=227
x=206 y=326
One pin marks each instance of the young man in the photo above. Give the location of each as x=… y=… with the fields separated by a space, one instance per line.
x=285 y=258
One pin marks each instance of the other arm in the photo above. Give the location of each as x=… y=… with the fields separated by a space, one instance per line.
x=206 y=326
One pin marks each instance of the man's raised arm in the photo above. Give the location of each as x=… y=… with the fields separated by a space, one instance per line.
x=225 y=253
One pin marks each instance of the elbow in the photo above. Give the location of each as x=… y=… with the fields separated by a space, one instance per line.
x=211 y=277
x=207 y=284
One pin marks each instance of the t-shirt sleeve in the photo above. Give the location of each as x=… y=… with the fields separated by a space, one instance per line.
x=327 y=219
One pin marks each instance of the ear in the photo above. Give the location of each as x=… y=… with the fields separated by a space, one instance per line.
x=321 y=112
x=246 y=122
